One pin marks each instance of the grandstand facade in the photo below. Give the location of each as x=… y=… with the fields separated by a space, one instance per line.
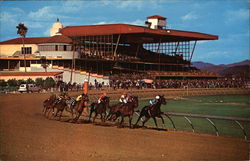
x=104 y=50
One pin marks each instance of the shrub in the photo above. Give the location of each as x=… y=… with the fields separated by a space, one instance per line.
x=49 y=82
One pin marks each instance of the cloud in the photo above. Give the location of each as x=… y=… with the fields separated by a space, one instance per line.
x=43 y=13
x=32 y=24
x=236 y=15
x=130 y=4
x=72 y=6
x=136 y=22
x=189 y=16
x=7 y=17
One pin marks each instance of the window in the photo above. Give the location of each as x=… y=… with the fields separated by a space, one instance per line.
x=64 y=47
x=56 y=47
x=26 y=50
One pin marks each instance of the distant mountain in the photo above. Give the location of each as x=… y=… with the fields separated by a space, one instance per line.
x=201 y=65
x=236 y=70
x=222 y=69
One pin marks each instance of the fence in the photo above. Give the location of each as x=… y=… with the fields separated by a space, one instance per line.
x=237 y=120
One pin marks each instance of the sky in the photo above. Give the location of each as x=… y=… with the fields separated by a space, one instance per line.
x=229 y=19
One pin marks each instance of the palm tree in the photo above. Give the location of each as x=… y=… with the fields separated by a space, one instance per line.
x=22 y=30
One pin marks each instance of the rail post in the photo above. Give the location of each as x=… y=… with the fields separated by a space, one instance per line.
x=189 y=121
x=85 y=91
x=217 y=133
x=170 y=120
x=242 y=128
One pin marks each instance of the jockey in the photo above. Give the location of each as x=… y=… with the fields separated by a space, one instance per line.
x=78 y=98
x=154 y=100
x=60 y=97
x=123 y=98
x=102 y=97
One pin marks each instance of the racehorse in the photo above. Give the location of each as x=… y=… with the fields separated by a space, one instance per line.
x=152 y=111
x=78 y=108
x=60 y=105
x=126 y=110
x=99 y=108
x=49 y=103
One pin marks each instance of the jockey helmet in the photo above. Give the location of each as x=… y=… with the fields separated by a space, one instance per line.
x=157 y=97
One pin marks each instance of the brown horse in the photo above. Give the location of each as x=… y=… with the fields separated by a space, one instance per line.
x=60 y=106
x=49 y=103
x=127 y=110
x=152 y=111
x=99 y=108
x=78 y=108
x=113 y=112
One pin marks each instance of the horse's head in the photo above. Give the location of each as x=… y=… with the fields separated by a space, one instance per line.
x=85 y=98
x=134 y=99
x=106 y=100
x=162 y=100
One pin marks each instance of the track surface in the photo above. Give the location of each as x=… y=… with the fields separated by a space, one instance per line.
x=25 y=134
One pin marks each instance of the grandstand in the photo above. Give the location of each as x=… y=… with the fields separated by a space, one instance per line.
x=104 y=50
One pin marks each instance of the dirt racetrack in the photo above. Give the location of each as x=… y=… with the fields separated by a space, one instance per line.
x=25 y=135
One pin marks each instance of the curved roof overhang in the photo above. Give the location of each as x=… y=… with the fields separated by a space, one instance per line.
x=136 y=34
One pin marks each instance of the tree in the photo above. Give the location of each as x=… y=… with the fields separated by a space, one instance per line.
x=21 y=81
x=49 y=82
x=12 y=83
x=3 y=83
x=22 y=30
x=44 y=63
x=39 y=82
x=30 y=81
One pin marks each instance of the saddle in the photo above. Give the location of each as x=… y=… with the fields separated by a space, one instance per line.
x=58 y=100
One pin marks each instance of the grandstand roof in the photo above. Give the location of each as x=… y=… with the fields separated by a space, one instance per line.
x=30 y=74
x=38 y=40
x=157 y=16
x=136 y=33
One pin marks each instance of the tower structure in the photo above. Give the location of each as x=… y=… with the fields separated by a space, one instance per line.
x=56 y=27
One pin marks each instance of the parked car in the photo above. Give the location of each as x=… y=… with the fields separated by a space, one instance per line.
x=28 y=88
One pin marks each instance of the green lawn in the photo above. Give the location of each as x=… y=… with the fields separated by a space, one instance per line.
x=226 y=105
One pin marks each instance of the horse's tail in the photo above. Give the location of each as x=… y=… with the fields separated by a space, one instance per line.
x=92 y=106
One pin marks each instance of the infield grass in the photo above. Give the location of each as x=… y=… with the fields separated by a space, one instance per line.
x=223 y=105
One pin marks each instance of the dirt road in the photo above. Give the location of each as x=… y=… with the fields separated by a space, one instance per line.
x=25 y=134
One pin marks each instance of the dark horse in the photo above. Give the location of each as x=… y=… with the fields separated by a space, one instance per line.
x=49 y=103
x=78 y=108
x=152 y=111
x=125 y=110
x=99 y=108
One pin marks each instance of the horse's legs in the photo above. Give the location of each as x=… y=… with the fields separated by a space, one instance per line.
x=60 y=115
x=94 y=117
x=104 y=116
x=45 y=111
x=48 y=113
x=162 y=121
x=101 y=117
x=146 y=119
x=121 y=121
x=155 y=122
x=130 y=121
x=90 y=114
x=72 y=112
x=138 y=119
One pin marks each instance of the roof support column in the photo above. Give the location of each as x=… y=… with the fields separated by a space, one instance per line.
x=158 y=48
x=193 y=50
x=117 y=43
x=73 y=62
